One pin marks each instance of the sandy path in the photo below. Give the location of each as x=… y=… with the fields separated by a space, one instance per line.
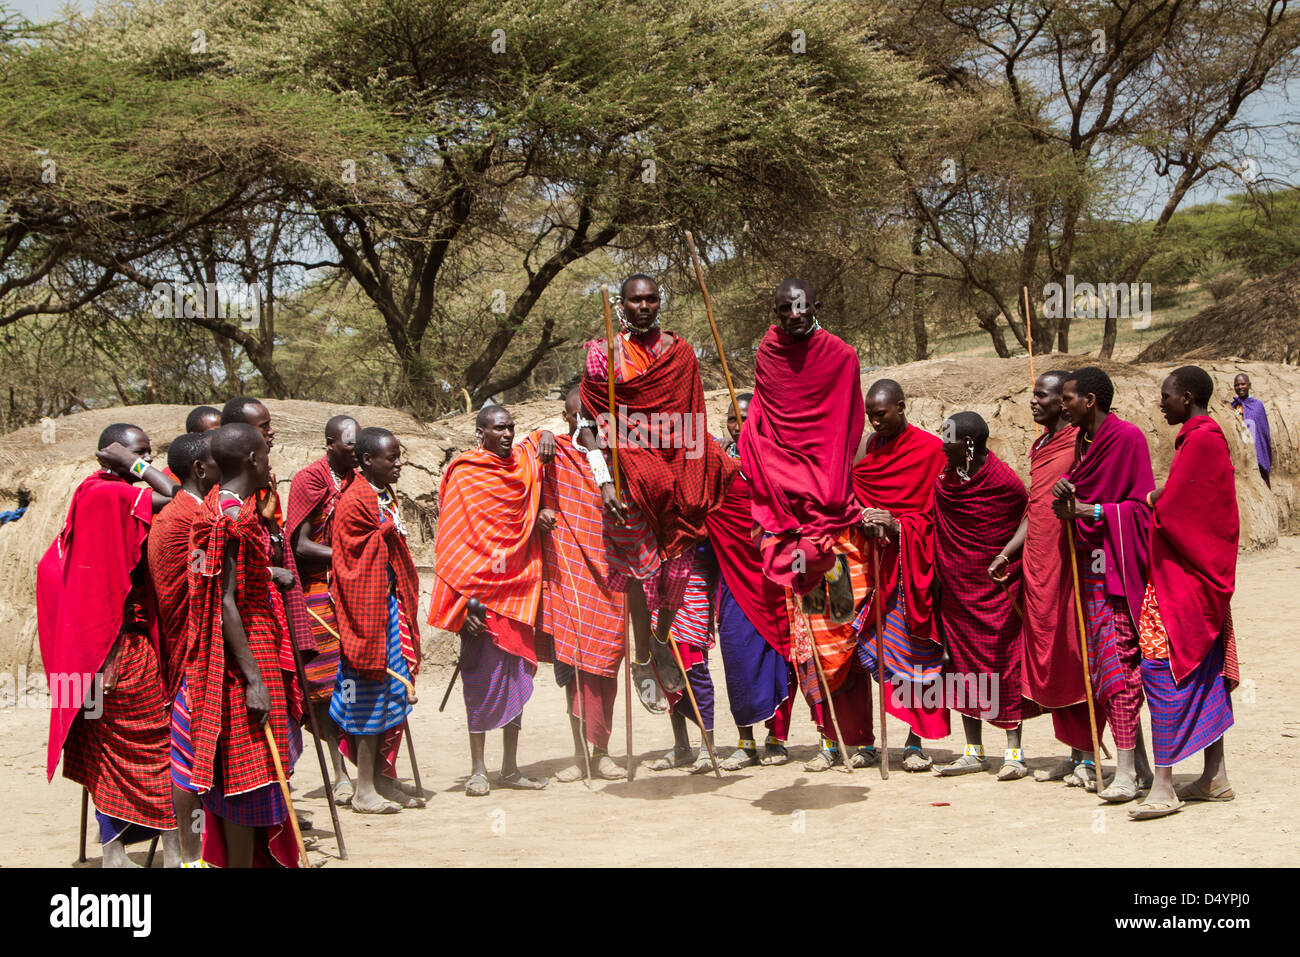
x=775 y=815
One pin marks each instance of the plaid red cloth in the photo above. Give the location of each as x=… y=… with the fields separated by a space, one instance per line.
x=673 y=469
x=218 y=713
x=122 y=756
x=82 y=583
x=366 y=546
x=973 y=520
x=313 y=490
x=169 y=557
x=579 y=611
x=485 y=547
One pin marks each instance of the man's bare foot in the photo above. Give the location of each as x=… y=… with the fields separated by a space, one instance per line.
x=703 y=763
x=864 y=757
x=775 y=752
x=343 y=791
x=172 y=856
x=740 y=758
x=676 y=758
x=1057 y=772
x=391 y=791
x=115 y=856
x=573 y=772
x=1123 y=788
x=607 y=770
x=824 y=760
x=914 y=759
x=1083 y=776
x=517 y=781
x=649 y=693
x=670 y=676
x=1215 y=789
x=373 y=804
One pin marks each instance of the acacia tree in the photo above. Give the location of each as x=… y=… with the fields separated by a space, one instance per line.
x=556 y=133
x=1147 y=93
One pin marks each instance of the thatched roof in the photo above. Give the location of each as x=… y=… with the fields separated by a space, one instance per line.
x=1260 y=321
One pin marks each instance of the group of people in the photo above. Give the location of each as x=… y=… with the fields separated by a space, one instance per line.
x=819 y=554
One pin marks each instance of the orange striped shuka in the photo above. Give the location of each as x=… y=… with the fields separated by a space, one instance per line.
x=579 y=611
x=485 y=546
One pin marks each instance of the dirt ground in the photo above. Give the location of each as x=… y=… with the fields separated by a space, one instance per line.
x=777 y=816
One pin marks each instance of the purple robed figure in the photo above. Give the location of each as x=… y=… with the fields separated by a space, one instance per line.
x=1252 y=414
x=1115 y=470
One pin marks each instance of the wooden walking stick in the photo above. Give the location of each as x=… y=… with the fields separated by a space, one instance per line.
x=880 y=659
x=85 y=813
x=410 y=754
x=618 y=494
x=284 y=789
x=153 y=850
x=717 y=338
x=690 y=692
x=315 y=733
x=825 y=685
x=1083 y=650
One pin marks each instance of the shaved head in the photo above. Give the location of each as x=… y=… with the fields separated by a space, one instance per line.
x=969 y=425
x=233 y=443
x=488 y=414
x=790 y=287
x=203 y=418
x=886 y=390
x=119 y=432
x=335 y=425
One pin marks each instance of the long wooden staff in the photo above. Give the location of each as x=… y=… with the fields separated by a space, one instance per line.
x=717 y=338
x=618 y=494
x=320 y=751
x=1083 y=650
x=825 y=685
x=880 y=658
x=284 y=789
x=690 y=692
x=410 y=691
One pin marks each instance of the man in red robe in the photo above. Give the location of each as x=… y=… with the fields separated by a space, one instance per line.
x=240 y=673
x=189 y=458
x=673 y=475
x=100 y=649
x=978 y=503
x=753 y=631
x=581 y=614
x=1189 y=652
x=376 y=593
x=308 y=524
x=798 y=446
x=1053 y=668
x=1104 y=499
x=894 y=478
x=254 y=412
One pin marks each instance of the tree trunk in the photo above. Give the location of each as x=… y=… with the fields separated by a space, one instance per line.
x=921 y=338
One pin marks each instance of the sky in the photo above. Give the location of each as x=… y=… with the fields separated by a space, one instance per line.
x=1268 y=107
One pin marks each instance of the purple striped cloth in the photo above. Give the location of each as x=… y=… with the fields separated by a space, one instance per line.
x=1187 y=719
x=496 y=684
